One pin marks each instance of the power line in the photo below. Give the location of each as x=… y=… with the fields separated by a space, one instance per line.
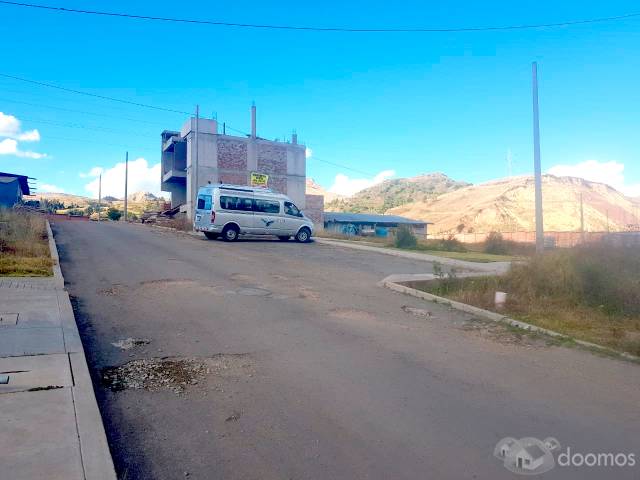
x=313 y=157
x=88 y=94
x=79 y=111
x=325 y=29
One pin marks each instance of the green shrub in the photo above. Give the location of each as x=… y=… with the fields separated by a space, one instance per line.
x=114 y=214
x=404 y=237
x=449 y=244
x=495 y=244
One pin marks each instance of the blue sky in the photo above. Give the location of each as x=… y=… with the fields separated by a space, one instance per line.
x=410 y=103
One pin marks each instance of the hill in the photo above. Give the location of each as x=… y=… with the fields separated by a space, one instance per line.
x=312 y=188
x=396 y=192
x=508 y=205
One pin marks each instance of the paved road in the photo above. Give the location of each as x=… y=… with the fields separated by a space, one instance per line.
x=329 y=376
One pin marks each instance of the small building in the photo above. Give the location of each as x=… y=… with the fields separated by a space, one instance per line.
x=239 y=160
x=12 y=188
x=370 y=224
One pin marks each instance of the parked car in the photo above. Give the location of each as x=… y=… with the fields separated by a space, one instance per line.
x=232 y=210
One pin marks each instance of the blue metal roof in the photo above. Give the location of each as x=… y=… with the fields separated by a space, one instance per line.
x=345 y=217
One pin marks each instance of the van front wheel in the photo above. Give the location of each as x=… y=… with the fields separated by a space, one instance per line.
x=230 y=233
x=304 y=235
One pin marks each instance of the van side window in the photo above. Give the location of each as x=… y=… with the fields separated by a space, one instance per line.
x=236 y=203
x=204 y=202
x=291 y=209
x=266 y=206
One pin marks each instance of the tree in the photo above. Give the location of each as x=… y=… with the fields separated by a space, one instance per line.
x=114 y=214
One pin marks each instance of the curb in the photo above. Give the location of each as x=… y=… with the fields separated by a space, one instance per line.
x=496 y=317
x=490 y=267
x=94 y=448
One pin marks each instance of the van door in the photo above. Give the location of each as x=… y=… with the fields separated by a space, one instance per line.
x=202 y=217
x=293 y=218
x=237 y=208
x=266 y=217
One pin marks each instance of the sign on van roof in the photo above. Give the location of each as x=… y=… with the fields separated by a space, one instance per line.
x=259 y=179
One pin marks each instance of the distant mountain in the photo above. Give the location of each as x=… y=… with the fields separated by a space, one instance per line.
x=508 y=205
x=140 y=197
x=396 y=192
x=315 y=189
x=109 y=198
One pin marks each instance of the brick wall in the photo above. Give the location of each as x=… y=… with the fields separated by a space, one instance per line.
x=315 y=210
x=272 y=159
x=232 y=155
x=234 y=178
x=277 y=184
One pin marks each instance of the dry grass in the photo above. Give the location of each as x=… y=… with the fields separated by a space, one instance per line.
x=591 y=293
x=24 y=247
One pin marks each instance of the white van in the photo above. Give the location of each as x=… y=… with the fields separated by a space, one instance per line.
x=232 y=210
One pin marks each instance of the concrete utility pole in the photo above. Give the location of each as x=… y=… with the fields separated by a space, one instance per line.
x=126 y=180
x=197 y=185
x=536 y=161
x=99 y=194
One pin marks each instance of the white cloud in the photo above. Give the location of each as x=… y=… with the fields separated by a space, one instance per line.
x=94 y=172
x=142 y=177
x=308 y=152
x=9 y=125
x=11 y=129
x=30 y=136
x=47 y=187
x=9 y=146
x=343 y=185
x=611 y=173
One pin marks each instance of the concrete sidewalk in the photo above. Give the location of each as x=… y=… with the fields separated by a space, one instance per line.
x=489 y=268
x=50 y=427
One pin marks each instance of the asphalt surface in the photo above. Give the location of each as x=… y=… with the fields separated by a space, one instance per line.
x=328 y=376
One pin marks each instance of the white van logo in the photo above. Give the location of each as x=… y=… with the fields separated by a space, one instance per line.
x=267 y=222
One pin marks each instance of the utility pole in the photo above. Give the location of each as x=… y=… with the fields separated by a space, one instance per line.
x=126 y=180
x=536 y=161
x=581 y=219
x=99 y=194
x=197 y=185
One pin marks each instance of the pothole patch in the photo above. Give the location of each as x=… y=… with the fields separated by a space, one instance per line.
x=351 y=314
x=115 y=289
x=176 y=374
x=129 y=343
x=418 y=312
x=253 y=292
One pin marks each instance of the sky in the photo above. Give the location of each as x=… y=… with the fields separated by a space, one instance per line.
x=368 y=106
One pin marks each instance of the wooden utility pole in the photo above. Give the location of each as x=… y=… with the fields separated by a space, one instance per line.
x=536 y=161
x=126 y=180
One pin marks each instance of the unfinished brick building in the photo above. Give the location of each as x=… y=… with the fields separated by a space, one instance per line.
x=222 y=158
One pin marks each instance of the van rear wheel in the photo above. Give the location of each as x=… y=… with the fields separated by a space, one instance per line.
x=230 y=233
x=211 y=235
x=303 y=235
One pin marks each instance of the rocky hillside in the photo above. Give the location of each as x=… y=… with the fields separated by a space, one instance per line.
x=396 y=192
x=314 y=188
x=508 y=205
